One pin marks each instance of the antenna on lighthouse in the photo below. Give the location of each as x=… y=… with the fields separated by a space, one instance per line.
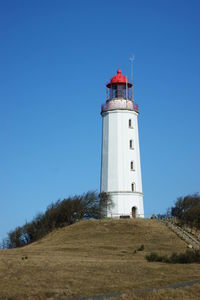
x=131 y=60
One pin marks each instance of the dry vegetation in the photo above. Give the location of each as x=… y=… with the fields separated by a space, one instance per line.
x=95 y=257
x=187 y=293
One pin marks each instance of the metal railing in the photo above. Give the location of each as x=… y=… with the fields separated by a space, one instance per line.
x=184 y=235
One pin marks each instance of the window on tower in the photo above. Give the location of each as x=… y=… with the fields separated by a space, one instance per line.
x=133 y=186
x=131 y=144
x=130 y=123
x=132 y=166
x=114 y=91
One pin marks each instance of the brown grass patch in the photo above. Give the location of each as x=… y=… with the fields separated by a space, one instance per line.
x=93 y=257
x=186 y=293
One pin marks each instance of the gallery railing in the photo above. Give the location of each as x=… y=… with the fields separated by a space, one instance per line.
x=119 y=104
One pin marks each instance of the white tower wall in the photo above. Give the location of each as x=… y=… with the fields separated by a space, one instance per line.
x=117 y=176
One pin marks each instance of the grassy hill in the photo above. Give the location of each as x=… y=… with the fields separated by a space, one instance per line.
x=93 y=257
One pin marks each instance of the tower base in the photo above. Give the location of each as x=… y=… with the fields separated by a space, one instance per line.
x=126 y=205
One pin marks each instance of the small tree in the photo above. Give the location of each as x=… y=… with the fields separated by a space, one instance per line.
x=105 y=204
x=187 y=210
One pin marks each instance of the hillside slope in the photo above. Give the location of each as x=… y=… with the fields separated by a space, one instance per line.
x=92 y=257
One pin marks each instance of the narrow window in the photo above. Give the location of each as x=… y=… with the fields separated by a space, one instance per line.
x=131 y=144
x=129 y=123
x=132 y=166
x=133 y=187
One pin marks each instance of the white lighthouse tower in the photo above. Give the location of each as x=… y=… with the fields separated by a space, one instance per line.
x=120 y=162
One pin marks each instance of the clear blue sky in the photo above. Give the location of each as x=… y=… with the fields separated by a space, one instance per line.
x=55 y=59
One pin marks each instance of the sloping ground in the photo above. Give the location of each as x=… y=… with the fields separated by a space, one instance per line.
x=93 y=257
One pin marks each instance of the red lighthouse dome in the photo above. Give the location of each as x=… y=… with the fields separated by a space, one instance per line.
x=119 y=79
x=119 y=87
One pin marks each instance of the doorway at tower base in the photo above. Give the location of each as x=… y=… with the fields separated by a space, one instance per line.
x=126 y=205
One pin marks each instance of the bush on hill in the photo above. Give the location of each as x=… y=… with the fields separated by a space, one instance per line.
x=187 y=210
x=181 y=258
x=59 y=214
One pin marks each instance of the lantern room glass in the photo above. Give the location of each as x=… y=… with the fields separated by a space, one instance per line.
x=119 y=91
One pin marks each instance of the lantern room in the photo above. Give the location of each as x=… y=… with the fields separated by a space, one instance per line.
x=119 y=87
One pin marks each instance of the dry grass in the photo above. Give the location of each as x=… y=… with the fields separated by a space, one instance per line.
x=187 y=293
x=93 y=257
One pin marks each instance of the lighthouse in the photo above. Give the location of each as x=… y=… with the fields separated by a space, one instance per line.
x=120 y=158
